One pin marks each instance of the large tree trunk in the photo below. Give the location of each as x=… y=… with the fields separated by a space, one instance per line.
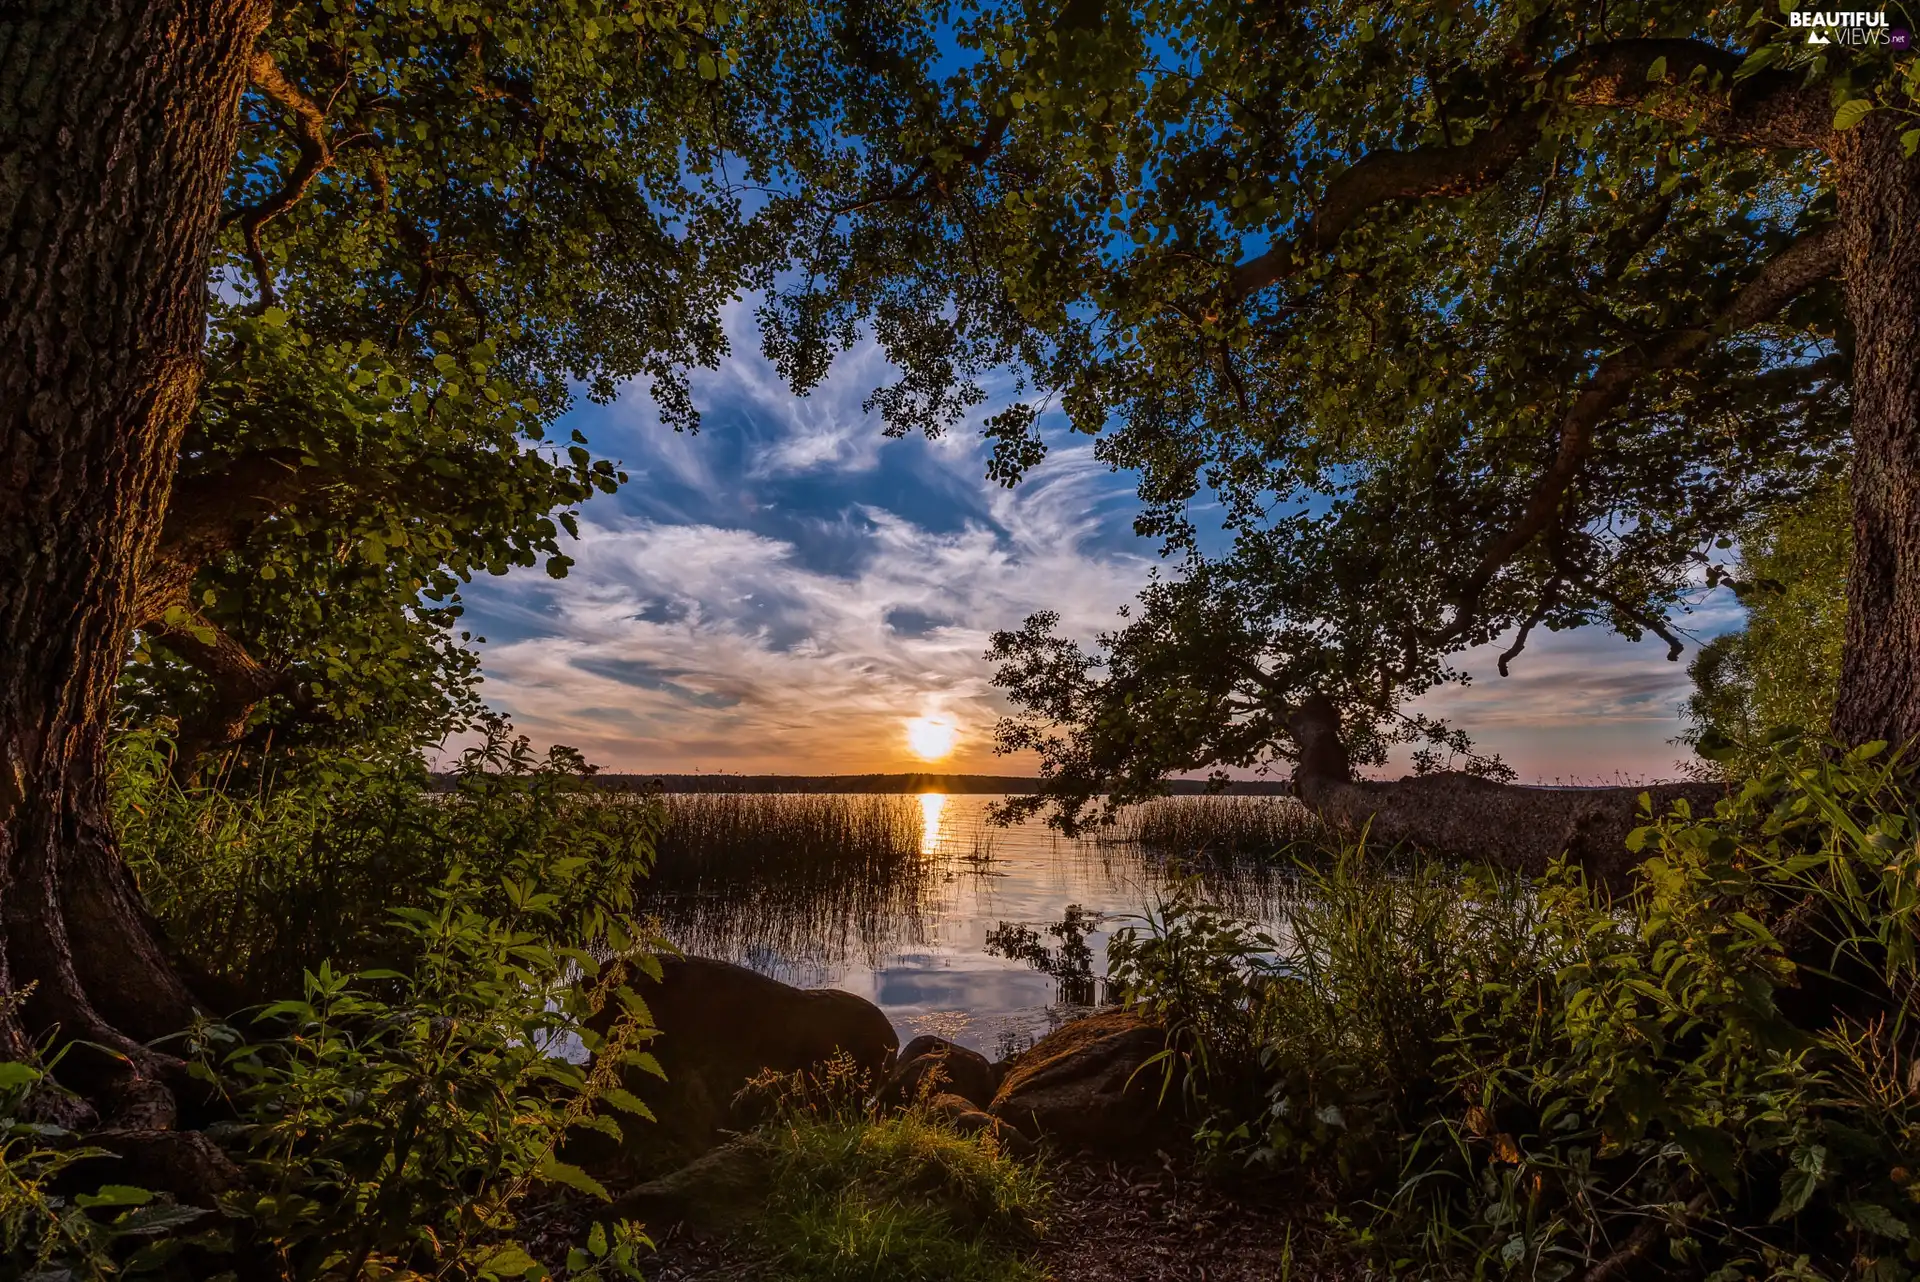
x=118 y=121
x=1879 y=199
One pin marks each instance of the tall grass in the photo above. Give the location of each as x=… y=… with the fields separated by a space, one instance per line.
x=800 y=877
x=1212 y=826
x=860 y=1197
x=900 y=1199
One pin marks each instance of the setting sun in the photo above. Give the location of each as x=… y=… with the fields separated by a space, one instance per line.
x=931 y=738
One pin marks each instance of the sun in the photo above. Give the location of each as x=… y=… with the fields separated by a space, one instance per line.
x=931 y=738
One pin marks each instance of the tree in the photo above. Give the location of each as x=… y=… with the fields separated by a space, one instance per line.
x=1778 y=672
x=118 y=131
x=1463 y=321
x=433 y=226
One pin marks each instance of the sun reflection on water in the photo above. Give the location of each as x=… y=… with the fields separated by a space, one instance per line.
x=932 y=806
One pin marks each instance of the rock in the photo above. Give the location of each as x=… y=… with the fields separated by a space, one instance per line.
x=720 y=1026
x=719 y=1190
x=1086 y=1085
x=932 y=1065
x=968 y=1118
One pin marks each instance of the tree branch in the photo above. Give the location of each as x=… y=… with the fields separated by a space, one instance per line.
x=1772 y=111
x=236 y=681
x=315 y=157
x=1392 y=175
x=208 y=515
x=1547 y=601
x=1798 y=267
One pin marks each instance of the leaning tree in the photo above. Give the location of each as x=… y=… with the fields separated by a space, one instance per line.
x=290 y=296
x=1460 y=321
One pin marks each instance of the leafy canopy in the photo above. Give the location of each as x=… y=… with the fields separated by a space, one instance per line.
x=1460 y=321
x=442 y=224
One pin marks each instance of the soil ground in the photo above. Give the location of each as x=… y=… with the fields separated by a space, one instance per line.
x=1149 y=1221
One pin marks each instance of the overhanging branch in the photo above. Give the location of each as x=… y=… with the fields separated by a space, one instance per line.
x=1697 y=90
x=315 y=157
x=236 y=683
x=1801 y=265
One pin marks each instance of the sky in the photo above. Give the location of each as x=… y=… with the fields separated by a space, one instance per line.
x=789 y=591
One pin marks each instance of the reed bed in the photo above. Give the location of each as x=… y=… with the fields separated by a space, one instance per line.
x=1232 y=827
x=800 y=877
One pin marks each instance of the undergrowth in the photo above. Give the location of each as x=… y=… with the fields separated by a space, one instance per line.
x=390 y=1112
x=1715 y=1076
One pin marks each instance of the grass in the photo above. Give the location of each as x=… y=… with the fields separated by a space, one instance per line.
x=1490 y=1077
x=899 y=1198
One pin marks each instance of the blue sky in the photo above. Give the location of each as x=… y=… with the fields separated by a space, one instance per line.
x=786 y=589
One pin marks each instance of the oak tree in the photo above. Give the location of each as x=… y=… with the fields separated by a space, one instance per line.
x=1423 y=327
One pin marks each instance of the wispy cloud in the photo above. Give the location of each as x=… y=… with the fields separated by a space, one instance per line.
x=786 y=589
x=675 y=646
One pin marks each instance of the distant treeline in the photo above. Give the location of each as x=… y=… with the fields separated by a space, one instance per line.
x=901 y=783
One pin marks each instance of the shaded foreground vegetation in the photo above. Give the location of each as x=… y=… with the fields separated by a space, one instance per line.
x=1714 y=1077
x=1450 y=1072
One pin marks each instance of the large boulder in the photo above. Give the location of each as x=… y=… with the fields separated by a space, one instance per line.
x=721 y=1026
x=1089 y=1084
x=718 y=1191
x=930 y=1066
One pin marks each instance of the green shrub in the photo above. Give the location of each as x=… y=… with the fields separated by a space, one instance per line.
x=48 y=1234
x=395 y=1117
x=1715 y=1076
x=398 y=1119
x=258 y=888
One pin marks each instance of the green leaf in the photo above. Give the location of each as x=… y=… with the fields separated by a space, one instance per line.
x=1799 y=1180
x=554 y=1171
x=158 y=1218
x=627 y=1102
x=14 y=1074
x=1658 y=69
x=602 y=1123
x=1713 y=1151
x=1910 y=141
x=1852 y=112
x=114 y=1195
x=1876 y=1219
x=510 y=1261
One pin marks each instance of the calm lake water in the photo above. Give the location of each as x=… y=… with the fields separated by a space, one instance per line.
x=959 y=942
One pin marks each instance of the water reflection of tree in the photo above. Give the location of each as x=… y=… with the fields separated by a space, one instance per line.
x=1069 y=963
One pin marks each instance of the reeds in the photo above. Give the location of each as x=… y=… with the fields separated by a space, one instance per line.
x=1181 y=827
x=800 y=878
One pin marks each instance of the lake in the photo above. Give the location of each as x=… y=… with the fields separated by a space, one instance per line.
x=985 y=935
